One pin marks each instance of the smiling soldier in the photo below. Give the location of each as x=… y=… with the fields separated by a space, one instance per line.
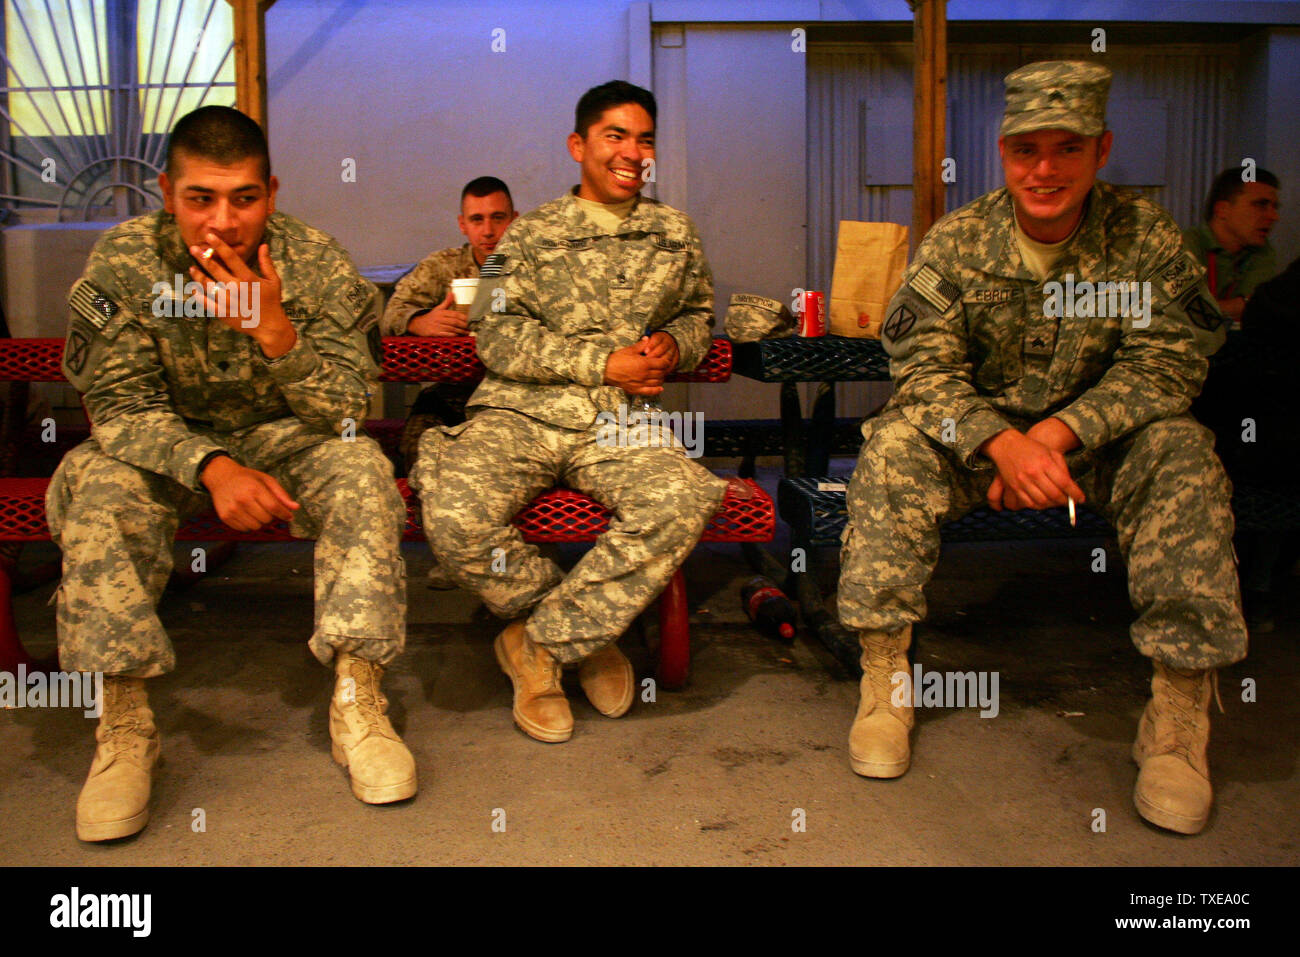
x=251 y=411
x=594 y=297
x=1001 y=398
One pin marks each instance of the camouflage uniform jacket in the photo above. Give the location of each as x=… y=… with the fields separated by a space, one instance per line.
x=426 y=285
x=1236 y=274
x=163 y=391
x=972 y=346
x=570 y=294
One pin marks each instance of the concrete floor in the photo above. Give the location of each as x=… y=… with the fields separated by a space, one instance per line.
x=714 y=774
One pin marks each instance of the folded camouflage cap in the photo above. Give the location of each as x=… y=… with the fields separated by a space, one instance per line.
x=750 y=318
x=1057 y=95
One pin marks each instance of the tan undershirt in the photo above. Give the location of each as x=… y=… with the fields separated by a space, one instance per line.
x=607 y=217
x=1041 y=257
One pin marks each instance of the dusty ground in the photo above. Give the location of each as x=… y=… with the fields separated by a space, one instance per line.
x=719 y=773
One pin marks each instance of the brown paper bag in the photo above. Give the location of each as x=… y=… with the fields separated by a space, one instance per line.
x=869 y=263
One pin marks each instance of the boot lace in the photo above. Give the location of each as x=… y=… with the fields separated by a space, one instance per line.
x=124 y=723
x=371 y=704
x=1186 y=715
x=880 y=666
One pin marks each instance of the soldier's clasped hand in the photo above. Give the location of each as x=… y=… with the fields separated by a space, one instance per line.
x=638 y=369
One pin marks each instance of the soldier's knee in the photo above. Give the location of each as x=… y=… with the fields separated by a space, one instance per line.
x=894 y=440
x=1180 y=442
x=87 y=473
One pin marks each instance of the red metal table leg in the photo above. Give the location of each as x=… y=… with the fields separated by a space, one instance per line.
x=12 y=652
x=674 y=634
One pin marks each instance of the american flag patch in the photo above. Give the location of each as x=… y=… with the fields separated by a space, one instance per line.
x=492 y=265
x=91 y=304
x=933 y=288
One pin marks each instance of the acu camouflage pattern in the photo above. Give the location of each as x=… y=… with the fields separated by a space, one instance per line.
x=572 y=294
x=972 y=353
x=426 y=286
x=751 y=318
x=1056 y=95
x=477 y=476
x=163 y=392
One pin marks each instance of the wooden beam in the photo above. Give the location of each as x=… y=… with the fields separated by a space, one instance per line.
x=930 y=102
x=250 y=57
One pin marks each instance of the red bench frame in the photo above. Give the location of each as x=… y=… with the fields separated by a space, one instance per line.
x=560 y=515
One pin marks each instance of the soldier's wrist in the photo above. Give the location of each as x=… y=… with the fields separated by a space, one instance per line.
x=207 y=461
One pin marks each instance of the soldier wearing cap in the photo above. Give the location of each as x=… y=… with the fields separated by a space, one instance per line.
x=245 y=397
x=1045 y=345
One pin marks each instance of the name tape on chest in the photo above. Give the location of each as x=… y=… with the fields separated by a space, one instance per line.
x=988 y=296
x=930 y=285
x=91 y=304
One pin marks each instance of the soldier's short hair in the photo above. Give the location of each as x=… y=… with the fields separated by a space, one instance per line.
x=221 y=134
x=608 y=95
x=486 y=186
x=1229 y=183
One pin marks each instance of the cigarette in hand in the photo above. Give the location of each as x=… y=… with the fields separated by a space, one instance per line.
x=1073 y=518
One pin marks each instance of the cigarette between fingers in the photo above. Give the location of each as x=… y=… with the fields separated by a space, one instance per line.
x=1073 y=519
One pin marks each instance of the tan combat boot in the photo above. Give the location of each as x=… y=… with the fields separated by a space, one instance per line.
x=379 y=764
x=878 y=745
x=608 y=681
x=1173 y=785
x=114 y=801
x=540 y=708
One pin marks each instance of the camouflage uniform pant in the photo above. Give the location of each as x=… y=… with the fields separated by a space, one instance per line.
x=474 y=478
x=1162 y=488
x=115 y=524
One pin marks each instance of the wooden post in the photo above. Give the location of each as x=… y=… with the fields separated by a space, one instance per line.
x=930 y=101
x=250 y=57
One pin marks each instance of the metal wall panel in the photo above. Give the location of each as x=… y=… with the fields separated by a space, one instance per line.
x=1196 y=84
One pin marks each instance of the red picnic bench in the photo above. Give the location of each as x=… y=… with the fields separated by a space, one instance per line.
x=560 y=515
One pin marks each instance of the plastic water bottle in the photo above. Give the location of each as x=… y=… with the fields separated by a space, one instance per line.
x=768 y=608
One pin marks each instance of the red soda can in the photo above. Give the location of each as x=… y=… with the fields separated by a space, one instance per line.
x=812 y=318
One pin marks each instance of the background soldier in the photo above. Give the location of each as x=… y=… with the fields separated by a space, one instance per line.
x=601 y=294
x=422 y=305
x=247 y=399
x=999 y=398
x=1232 y=243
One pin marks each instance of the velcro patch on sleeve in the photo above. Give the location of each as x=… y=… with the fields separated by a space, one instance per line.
x=930 y=285
x=358 y=294
x=1180 y=274
x=91 y=304
x=1202 y=311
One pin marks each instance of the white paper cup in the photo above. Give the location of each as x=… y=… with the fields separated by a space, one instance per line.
x=464 y=291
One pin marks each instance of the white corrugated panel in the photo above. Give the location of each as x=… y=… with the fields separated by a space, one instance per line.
x=1196 y=84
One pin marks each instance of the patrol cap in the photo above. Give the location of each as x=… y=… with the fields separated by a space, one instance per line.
x=1057 y=95
x=750 y=318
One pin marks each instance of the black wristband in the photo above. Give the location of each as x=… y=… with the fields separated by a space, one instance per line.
x=203 y=462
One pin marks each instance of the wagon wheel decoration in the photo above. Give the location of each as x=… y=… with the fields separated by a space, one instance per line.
x=92 y=92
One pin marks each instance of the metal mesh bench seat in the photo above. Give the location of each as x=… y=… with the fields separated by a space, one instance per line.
x=560 y=515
